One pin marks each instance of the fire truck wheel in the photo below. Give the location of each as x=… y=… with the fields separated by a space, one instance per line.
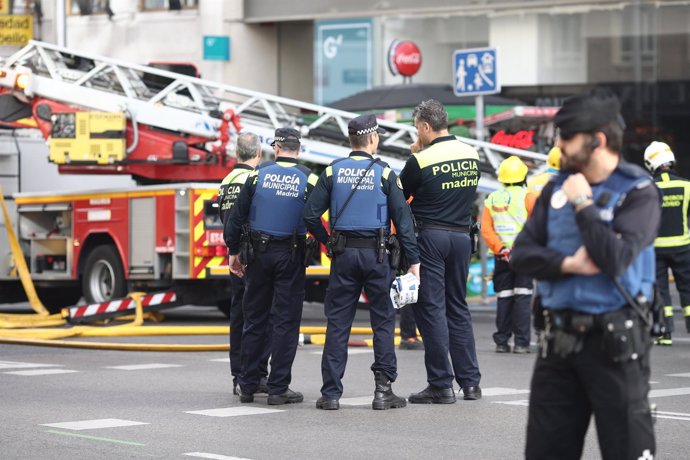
x=104 y=278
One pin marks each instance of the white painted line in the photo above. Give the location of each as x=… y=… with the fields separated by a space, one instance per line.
x=220 y=360
x=359 y=401
x=687 y=374
x=94 y=424
x=18 y=365
x=519 y=402
x=669 y=392
x=652 y=382
x=350 y=351
x=33 y=372
x=673 y=415
x=681 y=339
x=141 y=367
x=498 y=391
x=213 y=456
x=234 y=411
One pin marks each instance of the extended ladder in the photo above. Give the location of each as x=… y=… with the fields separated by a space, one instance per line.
x=194 y=107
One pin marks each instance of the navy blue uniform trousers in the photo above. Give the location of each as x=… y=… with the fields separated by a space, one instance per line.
x=408 y=326
x=273 y=298
x=351 y=271
x=236 y=328
x=679 y=263
x=441 y=311
x=513 y=304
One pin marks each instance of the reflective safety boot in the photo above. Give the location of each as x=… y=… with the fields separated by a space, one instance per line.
x=686 y=314
x=384 y=398
x=665 y=339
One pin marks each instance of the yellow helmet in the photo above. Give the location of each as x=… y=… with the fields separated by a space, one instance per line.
x=512 y=170
x=554 y=158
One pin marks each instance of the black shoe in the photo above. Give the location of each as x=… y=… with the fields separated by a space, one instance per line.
x=433 y=395
x=327 y=404
x=289 y=397
x=472 y=393
x=521 y=350
x=263 y=385
x=413 y=343
x=244 y=397
x=503 y=348
x=384 y=398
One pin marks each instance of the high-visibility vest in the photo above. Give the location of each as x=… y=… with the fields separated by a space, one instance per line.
x=508 y=212
x=673 y=231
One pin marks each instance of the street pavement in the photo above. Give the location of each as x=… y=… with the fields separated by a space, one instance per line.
x=70 y=403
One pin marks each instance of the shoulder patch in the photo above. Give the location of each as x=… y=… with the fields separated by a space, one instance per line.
x=398 y=182
x=329 y=171
x=386 y=172
x=312 y=179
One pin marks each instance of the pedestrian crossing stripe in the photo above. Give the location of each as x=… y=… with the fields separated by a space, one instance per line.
x=234 y=411
x=95 y=424
x=34 y=372
x=20 y=365
x=141 y=367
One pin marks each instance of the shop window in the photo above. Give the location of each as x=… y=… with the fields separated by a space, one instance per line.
x=638 y=39
x=87 y=7
x=157 y=5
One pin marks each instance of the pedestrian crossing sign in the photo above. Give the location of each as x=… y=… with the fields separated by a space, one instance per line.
x=475 y=71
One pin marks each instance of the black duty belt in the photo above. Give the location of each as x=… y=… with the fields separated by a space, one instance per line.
x=366 y=243
x=581 y=323
x=274 y=241
x=452 y=228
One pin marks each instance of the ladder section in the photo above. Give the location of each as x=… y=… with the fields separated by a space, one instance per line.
x=195 y=107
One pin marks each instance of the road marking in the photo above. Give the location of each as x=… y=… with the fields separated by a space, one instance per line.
x=669 y=392
x=681 y=339
x=213 y=456
x=673 y=415
x=18 y=365
x=220 y=360
x=350 y=351
x=687 y=374
x=234 y=411
x=141 y=367
x=94 y=424
x=518 y=402
x=96 y=438
x=498 y=391
x=41 y=372
x=359 y=401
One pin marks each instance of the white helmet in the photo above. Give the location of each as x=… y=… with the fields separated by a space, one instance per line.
x=658 y=154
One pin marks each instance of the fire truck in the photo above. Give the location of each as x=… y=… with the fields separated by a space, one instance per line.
x=101 y=116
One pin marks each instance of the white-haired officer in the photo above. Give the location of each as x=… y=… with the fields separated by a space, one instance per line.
x=672 y=245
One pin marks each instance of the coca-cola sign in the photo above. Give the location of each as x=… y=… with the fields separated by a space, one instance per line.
x=404 y=58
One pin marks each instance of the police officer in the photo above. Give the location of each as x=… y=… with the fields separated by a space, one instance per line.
x=248 y=154
x=593 y=257
x=271 y=203
x=361 y=194
x=504 y=215
x=443 y=175
x=537 y=182
x=672 y=245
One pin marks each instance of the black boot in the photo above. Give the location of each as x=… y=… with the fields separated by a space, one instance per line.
x=384 y=398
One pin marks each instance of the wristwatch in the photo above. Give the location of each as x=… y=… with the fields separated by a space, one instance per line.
x=578 y=200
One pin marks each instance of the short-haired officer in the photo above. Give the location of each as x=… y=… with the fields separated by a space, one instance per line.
x=672 y=245
x=443 y=174
x=271 y=203
x=362 y=194
x=248 y=153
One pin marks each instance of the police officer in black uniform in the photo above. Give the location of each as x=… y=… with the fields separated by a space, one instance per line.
x=362 y=194
x=248 y=153
x=589 y=243
x=271 y=203
x=443 y=178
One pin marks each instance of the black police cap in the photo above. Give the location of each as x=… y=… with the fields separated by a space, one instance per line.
x=285 y=135
x=588 y=112
x=364 y=124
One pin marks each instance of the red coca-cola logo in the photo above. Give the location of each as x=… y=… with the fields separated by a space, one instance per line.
x=404 y=58
x=521 y=140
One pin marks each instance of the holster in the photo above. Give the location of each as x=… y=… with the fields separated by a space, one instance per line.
x=656 y=309
x=394 y=252
x=335 y=244
x=475 y=228
x=246 y=253
x=624 y=336
x=381 y=246
x=311 y=250
x=537 y=312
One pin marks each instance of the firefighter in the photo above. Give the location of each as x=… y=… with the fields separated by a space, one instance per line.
x=443 y=174
x=248 y=153
x=504 y=215
x=270 y=207
x=537 y=182
x=672 y=245
x=589 y=243
x=360 y=193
